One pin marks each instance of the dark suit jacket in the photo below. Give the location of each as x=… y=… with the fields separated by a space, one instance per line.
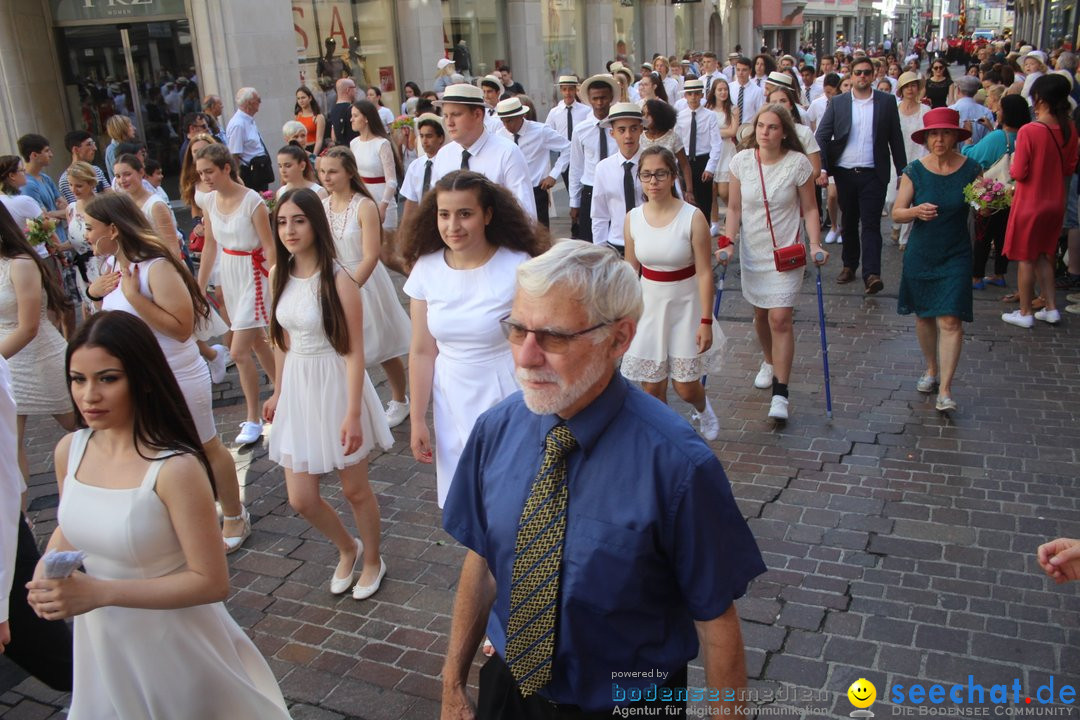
x=835 y=127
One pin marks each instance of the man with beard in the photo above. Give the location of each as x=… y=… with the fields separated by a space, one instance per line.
x=603 y=537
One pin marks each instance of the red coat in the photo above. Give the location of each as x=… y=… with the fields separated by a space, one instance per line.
x=1041 y=166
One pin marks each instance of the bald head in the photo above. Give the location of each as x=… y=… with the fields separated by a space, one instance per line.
x=346 y=90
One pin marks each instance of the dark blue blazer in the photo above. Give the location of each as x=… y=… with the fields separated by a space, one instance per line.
x=835 y=127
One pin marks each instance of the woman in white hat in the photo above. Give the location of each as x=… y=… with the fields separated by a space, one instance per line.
x=444 y=70
x=910 y=89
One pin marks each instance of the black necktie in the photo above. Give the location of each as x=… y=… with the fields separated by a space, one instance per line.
x=465 y=155
x=708 y=85
x=517 y=136
x=742 y=90
x=427 y=179
x=603 y=141
x=628 y=185
x=693 y=134
x=569 y=122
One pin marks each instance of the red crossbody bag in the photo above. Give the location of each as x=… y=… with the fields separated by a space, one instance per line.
x=790 y=257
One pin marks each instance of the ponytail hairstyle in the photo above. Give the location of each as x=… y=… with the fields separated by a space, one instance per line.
x=13 y=244
x=333 y=314
x=299 y=155
x=138 y=241
x=1052 y=90
x=348 y=164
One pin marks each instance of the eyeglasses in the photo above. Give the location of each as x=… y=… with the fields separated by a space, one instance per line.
x=865 y=71
x=548 y=340
x=659 y=176
x=938 y=67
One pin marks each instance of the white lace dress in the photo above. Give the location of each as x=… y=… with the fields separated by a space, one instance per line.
x=37 y=371
x=387 y=330
x=665 y=344
x=375 y=161
x=762 y=285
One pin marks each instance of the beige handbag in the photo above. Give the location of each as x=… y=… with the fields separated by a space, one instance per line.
x=1000 y=170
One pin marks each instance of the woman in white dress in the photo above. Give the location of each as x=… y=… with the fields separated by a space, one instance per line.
x=464 y=244
x=145 y=280
x=128 y=173
x=775 y=154
x=386 y=115
x=719 y=102
x=296 y=170
x=29 y=342
x=667 y=242
x=324 y=407
x=83 y=183
x=659 y=120
x=237 y=218
x=379 y=167
x=153 y=639
x=910 y=89
x=354 y=222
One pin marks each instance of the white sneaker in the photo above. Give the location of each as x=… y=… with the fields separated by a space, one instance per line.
x=1015 y=318
x=763 y=380
x=708 y=425
x=1048 y=316
x=250 y=432
x=927 y=384
x=396 y=412
x=831 y=237
x=778 y=408
x=219 y=363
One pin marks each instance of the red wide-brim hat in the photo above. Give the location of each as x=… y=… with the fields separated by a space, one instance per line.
x=941 y=119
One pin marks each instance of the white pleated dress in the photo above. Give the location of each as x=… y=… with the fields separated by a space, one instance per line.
x=138 y=664
x=306 y=433
x=387 y=330
x=244 y=281
x=375 y=161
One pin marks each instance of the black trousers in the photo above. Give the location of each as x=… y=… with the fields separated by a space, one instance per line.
x=584 y=217
x=566 y=182
x=703 y=191
x=541 y=199
x=500 y=699
x=862 y=196
x=40 y=647
x=990 y=231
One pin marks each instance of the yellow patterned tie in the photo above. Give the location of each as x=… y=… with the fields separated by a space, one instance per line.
x=534 y=592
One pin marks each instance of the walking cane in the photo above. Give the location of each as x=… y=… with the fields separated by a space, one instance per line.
x=719 y=286
x=824 y=344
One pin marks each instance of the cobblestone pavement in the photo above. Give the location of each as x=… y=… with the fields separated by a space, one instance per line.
x=899 y=542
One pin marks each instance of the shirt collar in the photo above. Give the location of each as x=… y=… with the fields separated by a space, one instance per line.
x=477 y=147
x=589 y=424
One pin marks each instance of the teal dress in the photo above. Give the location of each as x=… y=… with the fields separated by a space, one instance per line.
x=936 y=279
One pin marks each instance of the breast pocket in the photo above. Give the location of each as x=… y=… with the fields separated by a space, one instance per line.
x=609 y=564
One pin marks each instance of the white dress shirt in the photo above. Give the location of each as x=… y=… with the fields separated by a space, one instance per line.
x=536 y=142
x=755 y=98
x=243 y=138
x=859 y=150
x=497 y=159
x=584 y=154
x=11 y=487
x=556 y=119
x=492 y=121
x=709 y=141
x=729 y=73
x=608 y=203
x=816 y=111
x=671 y=86
x=413 y=183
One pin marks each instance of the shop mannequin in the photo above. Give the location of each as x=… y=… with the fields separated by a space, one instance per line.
x=330 y=66
x=462 y=58
x=359 y=62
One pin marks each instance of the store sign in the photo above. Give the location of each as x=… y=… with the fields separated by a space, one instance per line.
x=72 y=11
x=313 y=22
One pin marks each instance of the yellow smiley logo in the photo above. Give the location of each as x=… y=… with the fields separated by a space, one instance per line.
x=862 y=693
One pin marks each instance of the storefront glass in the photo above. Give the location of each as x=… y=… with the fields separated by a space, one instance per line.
x=684 y=27
x=1061 y=18
x=474 y=36
x=628 y=33
x=563 y=23
x=347 y=39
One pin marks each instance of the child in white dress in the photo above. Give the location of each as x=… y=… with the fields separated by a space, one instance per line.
x=322 y=409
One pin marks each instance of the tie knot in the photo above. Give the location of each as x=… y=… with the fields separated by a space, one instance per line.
x=559 y=442
x=628 y=164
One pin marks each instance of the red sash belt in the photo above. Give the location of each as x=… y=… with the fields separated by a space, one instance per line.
x=374 y=180
x=668 y=276
x=258 y=267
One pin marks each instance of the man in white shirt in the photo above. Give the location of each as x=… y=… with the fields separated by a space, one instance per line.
x=700 y=134
x=709 y=70
x=729 y=71
x=472 y=147
x=746 y=97
x=591 y=144
x=536 y=142
x=810 y=91
x=245 y=142
x=493 y=90
x=420 y=176
x=566 y=115
x=829 y=87
x=617 y=189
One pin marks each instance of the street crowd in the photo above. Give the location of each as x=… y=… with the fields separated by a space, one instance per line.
x=602 y=533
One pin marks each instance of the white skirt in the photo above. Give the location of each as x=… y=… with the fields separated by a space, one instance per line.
x=665 y=344
x=306 y=433
x=210 y=327
x=387 y=330
x=248 y=303
x=194 y=382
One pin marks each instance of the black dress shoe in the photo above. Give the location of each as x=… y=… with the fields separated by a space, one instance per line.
x=874 y=285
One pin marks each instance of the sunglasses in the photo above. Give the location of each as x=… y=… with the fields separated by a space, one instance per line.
x=862 y=72
x=548 y=340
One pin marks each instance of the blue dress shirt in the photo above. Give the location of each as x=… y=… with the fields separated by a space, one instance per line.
x=654 y=539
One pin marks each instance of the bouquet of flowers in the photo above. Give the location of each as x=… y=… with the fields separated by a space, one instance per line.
x=988 y=196
x=40 y=230
x=269 y=199
x=402 y=121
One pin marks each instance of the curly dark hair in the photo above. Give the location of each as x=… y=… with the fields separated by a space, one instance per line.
x=510 y=226
x=663 y=115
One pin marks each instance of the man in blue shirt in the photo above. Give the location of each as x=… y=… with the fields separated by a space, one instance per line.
x=603 y=537
x=973 y=116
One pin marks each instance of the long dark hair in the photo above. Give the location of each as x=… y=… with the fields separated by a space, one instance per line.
x=770 y=65
x=658 y=83
x=189 y=177
x=348 y=164
x=333 y=314
x=791 y=139
x=161 y=418
x=725 y=105
x=790 y=95
x=662 y=115
x=1053 y=90
x=299 y=155
x=313 y=105
x=138 y=241
x=8 y=165
x=375 y=125
x=510 y=227
x=13 y=244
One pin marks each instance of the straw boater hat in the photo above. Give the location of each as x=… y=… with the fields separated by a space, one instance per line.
x=568 y=80
x=906 y=79
x=510 y=108
x=430 y=118
x=621 y=111
x=693 y=86
x=734 y=56
x=941 y=118
x=626 y=73
x=462 y=94
x=493 y=81
x=603 y=79
x=780 y=79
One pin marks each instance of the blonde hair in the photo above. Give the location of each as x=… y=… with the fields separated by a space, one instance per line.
x=117 y=127
x=83 y=172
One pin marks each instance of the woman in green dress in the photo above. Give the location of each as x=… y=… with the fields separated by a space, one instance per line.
x=935 y=282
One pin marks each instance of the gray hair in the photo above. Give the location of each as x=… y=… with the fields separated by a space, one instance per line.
x=594 y=275
x=245 y=95
x=1067 y=61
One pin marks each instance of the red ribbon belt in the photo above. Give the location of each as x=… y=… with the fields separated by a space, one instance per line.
x=258 y=267
x=374 y=180
x=668 y=276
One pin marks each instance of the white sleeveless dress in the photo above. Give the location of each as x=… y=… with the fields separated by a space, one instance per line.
x=137 y=664
x=243 y=277
x=201 y=200
x=306 y=433
x=387 y=330
x=375 y=159
x=37 y=371
x=188 y=366
x=665 y=344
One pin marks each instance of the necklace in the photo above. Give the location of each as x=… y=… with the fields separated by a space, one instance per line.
x=339 y=221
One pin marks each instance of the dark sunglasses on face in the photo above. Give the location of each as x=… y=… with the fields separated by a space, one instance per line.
x=862 y=72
